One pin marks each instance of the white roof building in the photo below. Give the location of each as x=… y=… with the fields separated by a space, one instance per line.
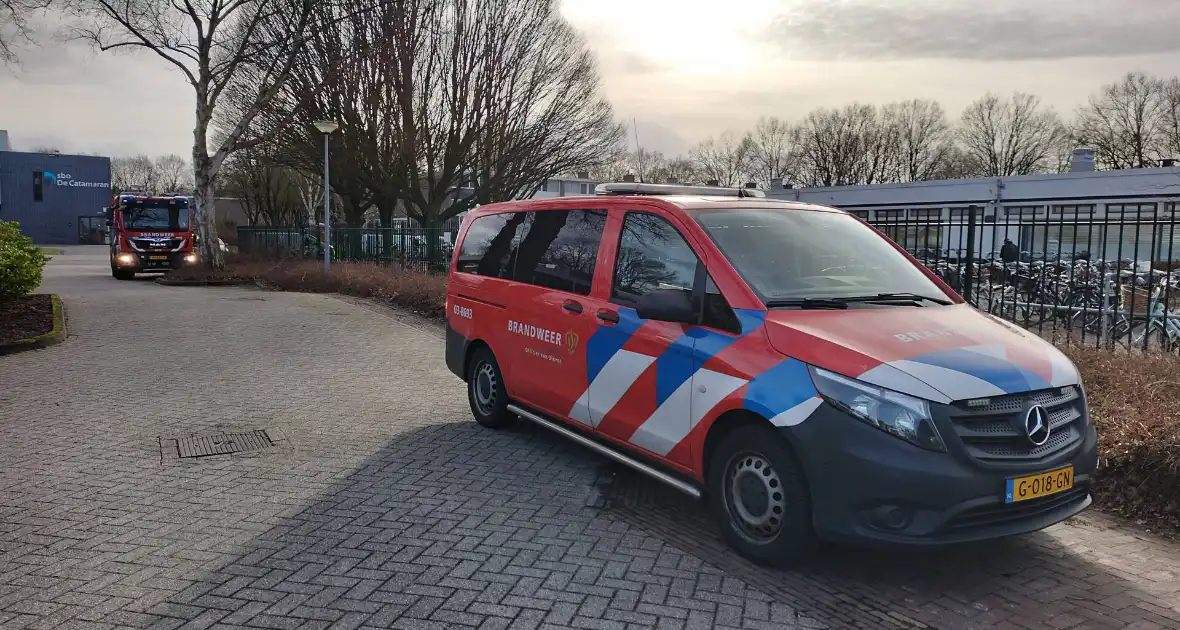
x=1113 y=214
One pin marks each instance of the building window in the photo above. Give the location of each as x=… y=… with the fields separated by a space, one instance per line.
x=960 y=214
x=1129 y=209
x=1074 y=210
x=926 y=216
x=890 y=215
x=1024 y=211
x=863 y=214
x=38 y=185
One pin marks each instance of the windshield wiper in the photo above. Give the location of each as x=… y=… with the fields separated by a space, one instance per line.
x=888 y=297
x=807 y=303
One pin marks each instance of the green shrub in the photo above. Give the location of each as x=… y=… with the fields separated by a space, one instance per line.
x=21 y=264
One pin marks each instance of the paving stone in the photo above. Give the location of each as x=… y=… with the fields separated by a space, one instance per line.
x=388 y=507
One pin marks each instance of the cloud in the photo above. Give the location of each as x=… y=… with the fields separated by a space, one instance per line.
x=632 y=63
x=970 y=30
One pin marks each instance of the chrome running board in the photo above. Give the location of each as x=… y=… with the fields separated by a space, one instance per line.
x=601 y=449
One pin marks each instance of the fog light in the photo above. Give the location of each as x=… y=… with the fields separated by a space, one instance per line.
x=126 y=260
x=191 y=258
x=891 y=517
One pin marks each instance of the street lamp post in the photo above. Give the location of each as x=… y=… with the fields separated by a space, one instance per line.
x=326 y=127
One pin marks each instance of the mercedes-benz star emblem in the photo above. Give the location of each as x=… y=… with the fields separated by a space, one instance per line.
x=1036 y=425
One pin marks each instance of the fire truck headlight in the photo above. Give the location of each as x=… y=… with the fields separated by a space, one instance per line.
x=125 y=259
x=192 y=258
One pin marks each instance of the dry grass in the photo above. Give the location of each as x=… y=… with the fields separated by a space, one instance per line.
x=1134 y=397
x=422 y=293
x=1135 y=402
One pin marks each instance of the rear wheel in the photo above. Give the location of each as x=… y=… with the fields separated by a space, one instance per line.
x=486 y=392
x=759 y=496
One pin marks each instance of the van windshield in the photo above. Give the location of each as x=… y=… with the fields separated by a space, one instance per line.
x=786 y=255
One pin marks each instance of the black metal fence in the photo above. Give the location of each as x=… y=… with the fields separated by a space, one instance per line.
x=411 y=247
x=1059 y=271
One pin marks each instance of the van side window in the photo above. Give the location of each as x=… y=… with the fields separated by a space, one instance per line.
x=652 y=255
x=489 y=244
x=558 y=249
x=717 y=313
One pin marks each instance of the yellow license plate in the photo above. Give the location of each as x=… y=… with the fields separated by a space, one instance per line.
x=1039 y=485
x=159 y=257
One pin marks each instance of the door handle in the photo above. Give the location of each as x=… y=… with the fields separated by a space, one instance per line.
x=608 y=316
x=572 y=306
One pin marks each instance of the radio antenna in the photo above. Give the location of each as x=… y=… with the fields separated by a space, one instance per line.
x=638 y=150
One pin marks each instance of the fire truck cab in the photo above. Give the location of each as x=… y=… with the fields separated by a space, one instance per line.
x=150 y=234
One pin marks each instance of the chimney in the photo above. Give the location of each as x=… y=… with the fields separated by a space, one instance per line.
x=673 y=180
x=1081 y=160
x=713 y=182
x=629 y=178
x=751 y=184
x=583 y=174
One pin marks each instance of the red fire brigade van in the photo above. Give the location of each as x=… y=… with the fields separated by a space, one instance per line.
x=786 y=361
x=150 y=233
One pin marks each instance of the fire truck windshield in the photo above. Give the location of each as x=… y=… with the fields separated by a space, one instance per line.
x=155 y=215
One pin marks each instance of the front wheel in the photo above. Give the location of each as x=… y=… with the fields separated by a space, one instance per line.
x=486 y=392
x=759 y=496
x=121 y=274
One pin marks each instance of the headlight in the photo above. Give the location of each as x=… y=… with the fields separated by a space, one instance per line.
x=192 y=258
x=897 y=414
x=126 y=259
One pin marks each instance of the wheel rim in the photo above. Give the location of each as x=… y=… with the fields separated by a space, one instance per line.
x=484 y=387
x=754 y=497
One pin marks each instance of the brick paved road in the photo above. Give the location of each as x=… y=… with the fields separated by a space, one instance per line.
x=385 y=506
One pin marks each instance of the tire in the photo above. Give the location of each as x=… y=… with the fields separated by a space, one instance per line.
x=486 y=392
x=120 y=274
x=779 y=538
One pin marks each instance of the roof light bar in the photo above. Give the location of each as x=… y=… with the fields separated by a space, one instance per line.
x=633 y=188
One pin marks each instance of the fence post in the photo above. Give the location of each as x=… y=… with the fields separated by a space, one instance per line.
x=969 y=272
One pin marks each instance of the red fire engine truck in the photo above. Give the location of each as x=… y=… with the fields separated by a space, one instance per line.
x=150 y=233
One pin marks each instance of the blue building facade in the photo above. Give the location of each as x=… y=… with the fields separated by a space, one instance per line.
x=57 y=199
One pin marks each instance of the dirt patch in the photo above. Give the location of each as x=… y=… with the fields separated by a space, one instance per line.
x=25 y=317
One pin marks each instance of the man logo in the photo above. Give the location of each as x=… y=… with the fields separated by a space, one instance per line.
x=571 y=341
x=1036 y=425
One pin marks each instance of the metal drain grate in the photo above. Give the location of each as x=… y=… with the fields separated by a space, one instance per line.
x=223 y=443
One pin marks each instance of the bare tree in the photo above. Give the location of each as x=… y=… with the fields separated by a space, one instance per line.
x=244 y=46
x=451 y=103
x=924 y=138
x=542 y=111
x=856 y=144
x=173 y=174
x=724 y=159
x=1011 y=136
x=1125 y=122
x=1170 y=118
x=14 y=25
x=134 y=174
x=770 y=151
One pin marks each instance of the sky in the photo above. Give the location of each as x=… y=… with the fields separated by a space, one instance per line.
x=687 y=69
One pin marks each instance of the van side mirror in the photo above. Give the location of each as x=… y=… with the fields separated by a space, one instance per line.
x=667 y=305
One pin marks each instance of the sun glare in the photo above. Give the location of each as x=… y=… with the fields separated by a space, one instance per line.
x=680 y=37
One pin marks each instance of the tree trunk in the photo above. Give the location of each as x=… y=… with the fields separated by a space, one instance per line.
x=207 y=216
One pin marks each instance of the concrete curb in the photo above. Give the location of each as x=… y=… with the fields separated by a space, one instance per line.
x=173 y=282
x=55 y=336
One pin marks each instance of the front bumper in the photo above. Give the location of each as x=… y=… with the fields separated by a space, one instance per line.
x=153 y=261
x=872 y=489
